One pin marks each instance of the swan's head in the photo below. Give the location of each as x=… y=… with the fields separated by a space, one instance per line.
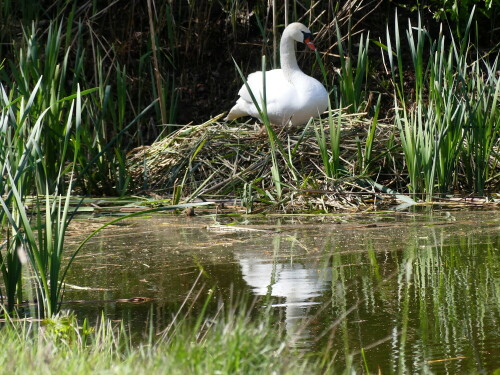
x=300 y=33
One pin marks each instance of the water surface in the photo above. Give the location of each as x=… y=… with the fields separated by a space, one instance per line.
x=418 y=292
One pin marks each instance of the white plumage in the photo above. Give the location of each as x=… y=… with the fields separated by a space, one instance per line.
x=290 y=94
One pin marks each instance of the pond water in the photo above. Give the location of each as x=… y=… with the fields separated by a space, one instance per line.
x=418 y=292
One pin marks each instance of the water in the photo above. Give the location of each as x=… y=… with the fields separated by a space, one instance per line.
x=418 y=292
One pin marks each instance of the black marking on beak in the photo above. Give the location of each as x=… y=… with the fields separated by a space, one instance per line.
x=307 y=36
x=307 y=40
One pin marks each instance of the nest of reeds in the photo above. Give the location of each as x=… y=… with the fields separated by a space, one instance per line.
x=216 y=159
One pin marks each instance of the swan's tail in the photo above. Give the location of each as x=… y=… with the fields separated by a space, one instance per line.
x=235 y=112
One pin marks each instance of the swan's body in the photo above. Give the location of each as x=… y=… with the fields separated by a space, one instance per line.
x=291 y=95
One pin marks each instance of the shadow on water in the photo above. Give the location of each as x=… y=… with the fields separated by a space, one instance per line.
x=415 y=292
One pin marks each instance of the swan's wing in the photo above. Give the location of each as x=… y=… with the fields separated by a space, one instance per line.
x=304 y=98
x=276 y=86
x=281 y=97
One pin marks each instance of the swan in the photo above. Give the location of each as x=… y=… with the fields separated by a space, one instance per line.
x=291 y=95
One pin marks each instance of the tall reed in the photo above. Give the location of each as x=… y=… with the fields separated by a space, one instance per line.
x=35 y=241
x=61 y=54
x=353 y=77
x=451 y=121
x=329 y=148
x=35 y=211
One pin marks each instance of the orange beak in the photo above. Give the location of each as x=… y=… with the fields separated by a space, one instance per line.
x=310 y=44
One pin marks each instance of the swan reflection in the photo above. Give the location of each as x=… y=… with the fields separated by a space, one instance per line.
x=295 y=279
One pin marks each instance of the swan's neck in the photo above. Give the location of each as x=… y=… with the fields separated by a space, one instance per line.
x=288 y=58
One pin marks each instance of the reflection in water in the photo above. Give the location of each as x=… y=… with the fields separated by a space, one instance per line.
x=297 y=281
x=417 y=294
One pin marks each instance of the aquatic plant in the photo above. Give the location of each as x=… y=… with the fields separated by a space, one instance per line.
x=34 y=242
x=35 y=210
x=57 y=60
x=451 y=122
x=352 y=78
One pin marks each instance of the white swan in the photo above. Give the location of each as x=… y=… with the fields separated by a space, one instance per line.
x=290 y=94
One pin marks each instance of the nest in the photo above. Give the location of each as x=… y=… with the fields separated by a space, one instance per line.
x=217 y=160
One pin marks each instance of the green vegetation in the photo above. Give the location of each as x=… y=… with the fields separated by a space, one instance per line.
x=440 y=106
x=452 y=126
x=35 y=237
x=33 y=227
x=91 y=98
x=230 y=344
